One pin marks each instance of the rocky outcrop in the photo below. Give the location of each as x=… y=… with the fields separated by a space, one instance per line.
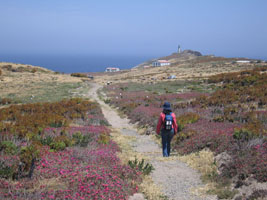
x=223 y=160
x=251 y=189
x=195 y=53
x=248 y=188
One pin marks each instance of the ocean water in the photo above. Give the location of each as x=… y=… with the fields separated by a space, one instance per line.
x=76 y=63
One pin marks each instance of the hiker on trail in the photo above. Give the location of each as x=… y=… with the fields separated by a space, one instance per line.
x=167 y=127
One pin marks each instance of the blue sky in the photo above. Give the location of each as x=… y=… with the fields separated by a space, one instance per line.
x=231 y=28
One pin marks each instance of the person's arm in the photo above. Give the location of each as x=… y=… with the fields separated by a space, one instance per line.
x=175 y=125
x=159 y=124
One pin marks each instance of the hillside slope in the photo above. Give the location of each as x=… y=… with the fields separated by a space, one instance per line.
x=27 y=84
x=173 y=58
x=187 y=65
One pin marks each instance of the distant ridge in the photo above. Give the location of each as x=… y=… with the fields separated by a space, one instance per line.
x=186 y=54
x=173 y=58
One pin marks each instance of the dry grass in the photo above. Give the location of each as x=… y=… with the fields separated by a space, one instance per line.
x=203 y=162
x=151 y=190
x=26 y=85
x=124 y=143
x=182 y=71
x=50 y=184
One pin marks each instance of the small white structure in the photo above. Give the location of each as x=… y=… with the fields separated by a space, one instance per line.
x=112 y=69
x=160 y=63
x=172 y=77
x=179 y=49
x=243 y=61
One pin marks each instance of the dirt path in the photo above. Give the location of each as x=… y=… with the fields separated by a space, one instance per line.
x=174 y=177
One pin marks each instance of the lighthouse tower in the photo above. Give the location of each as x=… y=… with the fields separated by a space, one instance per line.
x=179 y=49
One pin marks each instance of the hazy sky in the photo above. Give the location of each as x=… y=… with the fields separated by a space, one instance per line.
x=134 y=27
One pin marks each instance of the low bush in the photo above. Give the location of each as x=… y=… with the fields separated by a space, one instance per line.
x=103 y=138
x=29 y=118
x=65 y=139
x=5 y=101
x=183 y=135
x=8 y=147
x=33 y=70
x=107 y=101
x=47 y=140
x=243 y=87
x=58 y=146
x=248 y=162
x=146 y=169
x=80 y=139
x=187 y=118
x=224 y=193
x=216 y=141
x=7 y=67
x=28 y=154
x=7 y=170
x=242 y=134
x=79 y=75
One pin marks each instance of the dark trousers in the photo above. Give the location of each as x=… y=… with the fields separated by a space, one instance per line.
x=166 y=142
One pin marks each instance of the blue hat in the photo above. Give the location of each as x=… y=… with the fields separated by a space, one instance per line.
x=167 y=106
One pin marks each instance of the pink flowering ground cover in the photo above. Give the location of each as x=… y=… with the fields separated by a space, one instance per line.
x=237 y=129
x=78 y=173
x=216 y=136
x=65 y=162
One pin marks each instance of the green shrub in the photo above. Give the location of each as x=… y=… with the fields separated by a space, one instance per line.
x=249 y=131
x=47 y=140
x=6 y=171
x=146 y=169
x=85 y=140
x=77 y=137
x=224 y=193
x=57 y=124
x=28 y=154
x=79 y=75
x=33 y=70
x=104 y=122
x=81 y=140
x=103 y=139
x=256 y=127
x=31 y=136
x=8 y=147
x=187 y=118
x=242 y=134
x=58 y=146
x=184 y=135
x=107 y=101
x=64 y=139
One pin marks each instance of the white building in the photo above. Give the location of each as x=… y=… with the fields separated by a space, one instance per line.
x=112 y=69
x=160 y=63
x=243 y=61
